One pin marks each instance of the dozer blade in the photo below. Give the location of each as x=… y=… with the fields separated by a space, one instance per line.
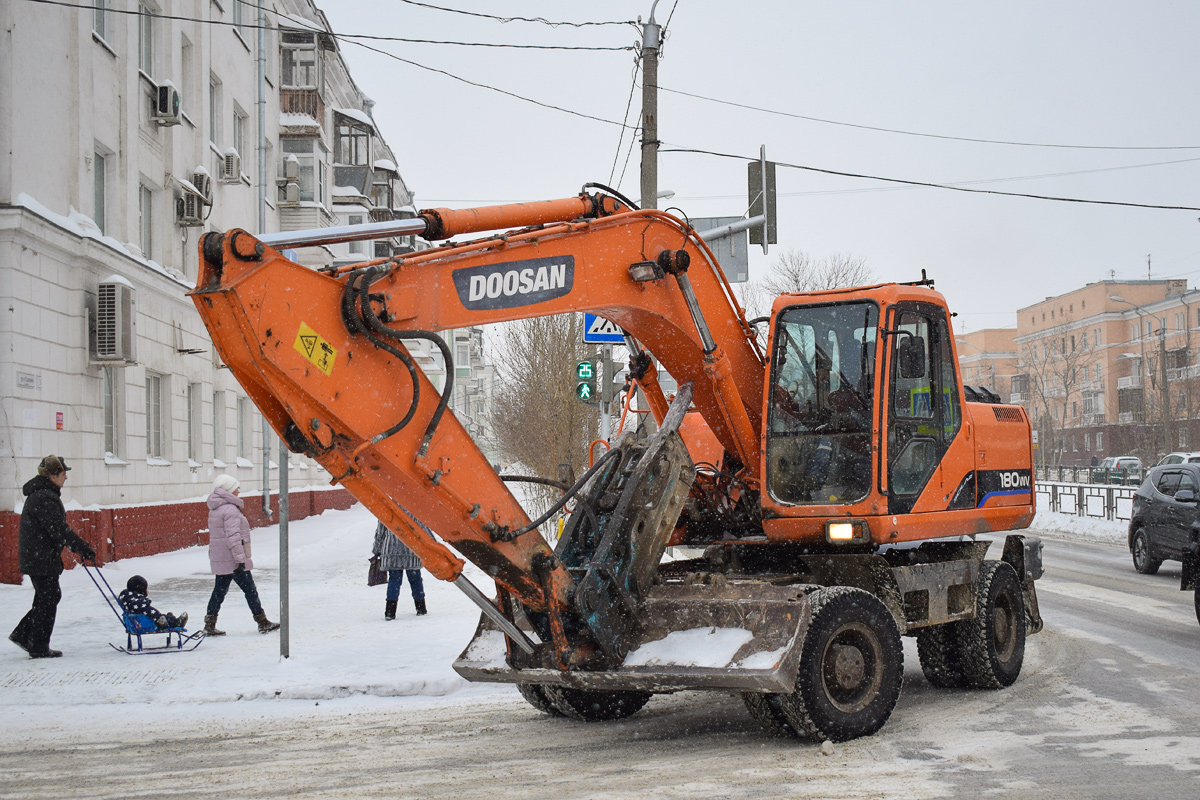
x=736 y=636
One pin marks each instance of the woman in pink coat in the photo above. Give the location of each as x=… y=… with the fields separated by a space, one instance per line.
x=229 y=554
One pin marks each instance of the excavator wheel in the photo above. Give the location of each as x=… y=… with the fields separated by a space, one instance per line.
x=594 y=706
x=994 y=642
x=942 y=657
x=535 y=695
x=851 y=669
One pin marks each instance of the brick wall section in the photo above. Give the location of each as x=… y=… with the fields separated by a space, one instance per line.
x=130 y=532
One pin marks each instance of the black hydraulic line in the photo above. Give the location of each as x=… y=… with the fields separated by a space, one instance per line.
x=376 y=325
x=354 y=291
x=567 y=495
x=534 y=479
x=632 y=205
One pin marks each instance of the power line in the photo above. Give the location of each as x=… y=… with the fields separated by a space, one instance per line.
x=628 y=104
x=318 y=29
x=478 y=85
x=918 y=134
x=938 y=185
x=540 y=20
x=824 y=192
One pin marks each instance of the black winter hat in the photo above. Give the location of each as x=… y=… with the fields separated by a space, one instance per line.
x=137 y=584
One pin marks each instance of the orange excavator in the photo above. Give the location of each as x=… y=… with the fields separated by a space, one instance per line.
x=848 y=472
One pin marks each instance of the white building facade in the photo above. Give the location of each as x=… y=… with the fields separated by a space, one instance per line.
x=125 y=133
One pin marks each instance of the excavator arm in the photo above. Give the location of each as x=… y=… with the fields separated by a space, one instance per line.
x=322 y=355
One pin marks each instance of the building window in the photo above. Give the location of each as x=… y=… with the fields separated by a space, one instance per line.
x=99 y=17
x=1096 y=338
x=218 y=425
x=146 y=220
x=352 y=146
x=356 y=219
x=241 y=127
x=194 y=431
x=146 y=39
x=1100 y=441
x=309 y=152
x=1099 y=372
x=239 y=17
x=301 y=64
x=245 y=426
x=99 y=191
x=154 y=420
x=214 y=110
x=1087 y=442
x=112 y=378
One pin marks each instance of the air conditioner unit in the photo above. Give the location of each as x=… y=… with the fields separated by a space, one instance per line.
x=114 y=336
x=231 y=166
x=203 y=182
x=165 y=107
x=189 y=210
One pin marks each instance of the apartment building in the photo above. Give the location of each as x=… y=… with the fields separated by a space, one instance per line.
x=126 y=131
x=1096 y=365
x=988 y=358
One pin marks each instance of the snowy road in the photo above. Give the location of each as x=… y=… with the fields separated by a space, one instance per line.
x=1106 y=707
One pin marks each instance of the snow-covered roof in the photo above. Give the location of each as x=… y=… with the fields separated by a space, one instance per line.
x=386 y=164
x=85 y=227
x=301 y=23
x=290 y=119
x=356 y=115
x=347 y=191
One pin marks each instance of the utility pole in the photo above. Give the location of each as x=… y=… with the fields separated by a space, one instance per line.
x=650 y=47
x=1168 y=445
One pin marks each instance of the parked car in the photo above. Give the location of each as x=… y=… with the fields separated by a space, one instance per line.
x=1180 y=458
x=1166 y=516
x=1119 y=469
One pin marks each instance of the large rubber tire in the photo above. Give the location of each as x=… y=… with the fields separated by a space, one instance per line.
x=535 y=695
x=941 y=653
x=594 y=706
x=851 y=671
x=1140 y=548
x=994 y=642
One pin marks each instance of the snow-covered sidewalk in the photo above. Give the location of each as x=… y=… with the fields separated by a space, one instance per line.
x=340 y=644
x=341 y=647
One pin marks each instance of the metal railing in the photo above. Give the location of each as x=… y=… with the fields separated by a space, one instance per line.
x=1103 y=476
x=1129 y=382
x=1096 y=501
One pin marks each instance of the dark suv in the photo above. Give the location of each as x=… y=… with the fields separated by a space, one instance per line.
x=1166 y=516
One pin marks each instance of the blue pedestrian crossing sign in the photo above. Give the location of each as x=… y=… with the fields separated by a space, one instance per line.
x=597 y=330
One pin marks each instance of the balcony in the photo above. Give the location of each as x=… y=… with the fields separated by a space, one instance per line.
x=303 y=101
x=1183 y=373
x=1093 y=419
x=1129 y=382
x=1129 y=417
x=1016 y=398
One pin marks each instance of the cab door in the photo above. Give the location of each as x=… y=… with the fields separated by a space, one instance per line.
x=924 y=413
x=1178 y=515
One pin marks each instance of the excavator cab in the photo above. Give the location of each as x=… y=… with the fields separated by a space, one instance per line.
x=866 y=419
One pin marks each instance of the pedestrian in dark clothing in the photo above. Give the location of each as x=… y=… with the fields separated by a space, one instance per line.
x=134 y=599
x=229 y=554
x=398 y=560
x=43 y=535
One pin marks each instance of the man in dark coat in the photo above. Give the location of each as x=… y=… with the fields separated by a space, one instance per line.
x=44 y=534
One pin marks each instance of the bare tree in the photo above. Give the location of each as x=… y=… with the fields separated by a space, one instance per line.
x=797 y=271
x=1058 y=368
x=535 y=415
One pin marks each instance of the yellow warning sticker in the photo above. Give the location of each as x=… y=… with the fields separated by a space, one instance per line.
x=310 y=345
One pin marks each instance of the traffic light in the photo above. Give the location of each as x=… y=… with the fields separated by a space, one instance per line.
x=585 y=386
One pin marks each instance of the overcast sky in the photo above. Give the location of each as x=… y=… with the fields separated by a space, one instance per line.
x=1101 y=74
